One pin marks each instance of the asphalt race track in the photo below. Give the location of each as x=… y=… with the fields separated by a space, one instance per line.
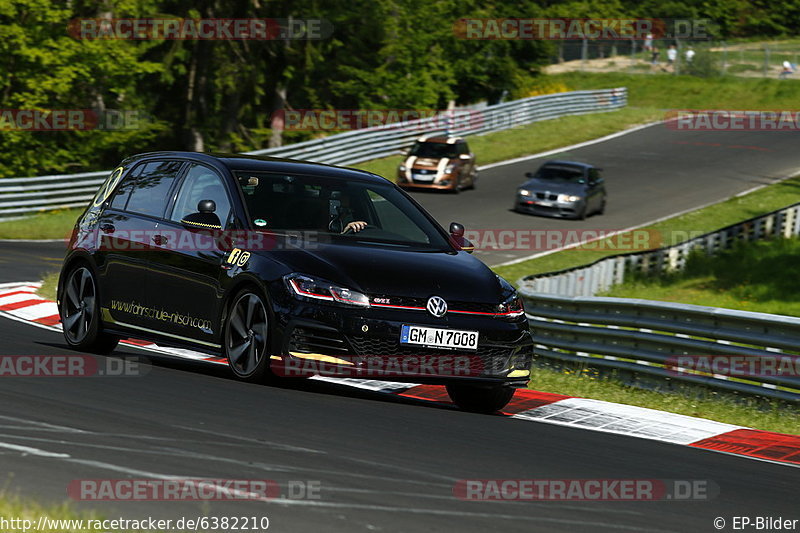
x=381 y=464
x=651 y=173
x=384 y=463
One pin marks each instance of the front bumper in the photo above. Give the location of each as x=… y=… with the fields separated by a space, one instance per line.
x=406 y=183
x=358 y=343
x=550 y=209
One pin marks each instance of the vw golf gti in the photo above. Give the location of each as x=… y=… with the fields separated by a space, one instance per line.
x=287 y=268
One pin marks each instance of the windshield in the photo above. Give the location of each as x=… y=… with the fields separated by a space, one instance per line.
x=348 y=212
x=568 y=174
x=434 y=150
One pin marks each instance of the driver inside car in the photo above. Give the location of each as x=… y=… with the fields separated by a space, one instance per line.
x=342 y=221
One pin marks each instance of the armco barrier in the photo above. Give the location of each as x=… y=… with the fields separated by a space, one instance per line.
x=649 y=338
x=19 y=196
x=599 y=276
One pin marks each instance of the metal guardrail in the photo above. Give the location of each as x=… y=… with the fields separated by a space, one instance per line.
x=649 y=338
x=20 y=196
x=370 y=143
x=599 y=276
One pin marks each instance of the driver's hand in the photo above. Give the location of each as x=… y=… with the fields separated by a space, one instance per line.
x=355 y=226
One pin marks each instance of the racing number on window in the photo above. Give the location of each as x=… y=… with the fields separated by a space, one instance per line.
x=109 y=186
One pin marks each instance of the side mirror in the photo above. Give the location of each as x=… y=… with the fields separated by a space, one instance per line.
x=205 y=218
x=457 y=235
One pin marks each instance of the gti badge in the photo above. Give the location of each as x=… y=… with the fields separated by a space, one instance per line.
x=437 y=306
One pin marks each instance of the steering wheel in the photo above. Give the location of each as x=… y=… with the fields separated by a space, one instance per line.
x=368 y=226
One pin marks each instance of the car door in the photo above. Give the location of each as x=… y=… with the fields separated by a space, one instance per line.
x=125 y=229
x=189 y=260
x=594 y=190
x=468 y=162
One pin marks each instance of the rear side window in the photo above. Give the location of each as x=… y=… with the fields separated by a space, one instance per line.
x=120 y=199
x=153 y=184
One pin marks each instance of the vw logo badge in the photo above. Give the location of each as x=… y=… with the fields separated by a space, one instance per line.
x=437 y=306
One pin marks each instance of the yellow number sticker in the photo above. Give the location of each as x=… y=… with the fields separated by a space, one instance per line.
x=109 y=186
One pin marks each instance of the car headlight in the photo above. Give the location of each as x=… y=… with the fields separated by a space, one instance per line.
x=512 y=307
x=568 y=198
x=303 y=287
x=524 y=192
x=402 y=168
x=450 y=168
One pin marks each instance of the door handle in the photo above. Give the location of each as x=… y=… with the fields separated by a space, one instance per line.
x=160 y=240
x=107 y=228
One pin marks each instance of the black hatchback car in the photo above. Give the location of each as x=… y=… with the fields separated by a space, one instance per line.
x=288 y=268
x=567 y=189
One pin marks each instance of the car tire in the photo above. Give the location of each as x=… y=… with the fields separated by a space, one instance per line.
x=602 y=209
x=246 y=337
x=480 y=399
x=582 y=213
x=79 y=310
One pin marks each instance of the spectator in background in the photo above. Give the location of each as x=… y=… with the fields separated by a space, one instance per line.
x=672 y=55
x=648 y=42
x=654 y=53
x=788 y=70
x=689 y=54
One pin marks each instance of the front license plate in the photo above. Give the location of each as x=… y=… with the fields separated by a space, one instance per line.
x=545 y=204
x=439 y=338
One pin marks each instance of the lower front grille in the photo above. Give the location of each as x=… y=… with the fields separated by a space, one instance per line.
x=317 y=340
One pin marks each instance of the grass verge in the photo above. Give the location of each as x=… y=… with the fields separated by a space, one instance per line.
x=692 y=401
x=758 y=276
x=689 y=92
x=49 y=286
x=670 y=231
x=48 y=225
x=13 y=507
